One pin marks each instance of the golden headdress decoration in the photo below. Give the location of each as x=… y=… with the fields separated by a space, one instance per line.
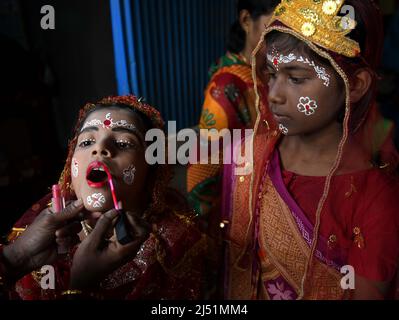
x=318 y=21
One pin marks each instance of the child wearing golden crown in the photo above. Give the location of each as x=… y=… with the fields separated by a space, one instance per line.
x=322 y=219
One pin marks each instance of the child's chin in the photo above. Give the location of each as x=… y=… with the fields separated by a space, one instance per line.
x=94 y=215
x=99 y=209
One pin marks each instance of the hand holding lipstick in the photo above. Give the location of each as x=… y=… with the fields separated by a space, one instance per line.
x=37 y=245
x=96 y=257
x=97 y=170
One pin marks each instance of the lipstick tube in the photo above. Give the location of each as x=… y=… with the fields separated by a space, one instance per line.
x=122 y=233
x=57 y=201
x=58 y=204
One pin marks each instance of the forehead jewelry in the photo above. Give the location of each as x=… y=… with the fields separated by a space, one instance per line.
x=307 y=106
x=276 y=59
x=108 y=123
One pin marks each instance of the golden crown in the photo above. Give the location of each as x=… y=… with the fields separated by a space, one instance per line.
x=317 y=20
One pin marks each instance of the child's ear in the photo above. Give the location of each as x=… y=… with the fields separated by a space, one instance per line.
x=245 y=19
x=360 y=84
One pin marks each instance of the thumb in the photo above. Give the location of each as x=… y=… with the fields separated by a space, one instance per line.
x=70 y=212
x=102 y=226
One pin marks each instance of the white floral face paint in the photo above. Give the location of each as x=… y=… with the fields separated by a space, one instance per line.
x=307 y=106
x=283 y=129
x=75 y=168
x=96 y=200
x=108 y=123
x=276 y=59
x=320 y=71
x=128 y=175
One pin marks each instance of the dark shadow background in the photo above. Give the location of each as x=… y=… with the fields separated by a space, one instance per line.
x=389 y=85
x=46 y=76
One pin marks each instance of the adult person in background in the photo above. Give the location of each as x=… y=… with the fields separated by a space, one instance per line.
x=229 y=97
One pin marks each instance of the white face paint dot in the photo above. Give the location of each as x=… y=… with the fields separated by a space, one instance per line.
x=128 y=175
x=75 y=168
x=283 y=129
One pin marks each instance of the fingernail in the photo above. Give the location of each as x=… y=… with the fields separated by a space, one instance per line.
x=111 y=214
x=78 y=203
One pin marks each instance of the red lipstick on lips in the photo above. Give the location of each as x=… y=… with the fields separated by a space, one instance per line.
x=96 y=175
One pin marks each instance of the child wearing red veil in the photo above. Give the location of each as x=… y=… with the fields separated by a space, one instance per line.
x=167 y=264
x=318 y=217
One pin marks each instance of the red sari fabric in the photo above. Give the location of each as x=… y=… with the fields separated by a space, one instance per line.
x=366 y=200
x=357 y=212
x=167 y=266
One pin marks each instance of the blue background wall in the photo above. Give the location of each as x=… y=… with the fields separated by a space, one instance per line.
x=163 y=49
